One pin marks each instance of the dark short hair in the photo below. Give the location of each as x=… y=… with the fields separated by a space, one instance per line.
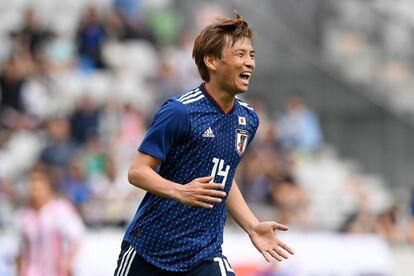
x=212 y=39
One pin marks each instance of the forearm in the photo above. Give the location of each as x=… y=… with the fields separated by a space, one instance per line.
x=72 y=252
x=239 y=211
x=147 y=179
x=200 y=192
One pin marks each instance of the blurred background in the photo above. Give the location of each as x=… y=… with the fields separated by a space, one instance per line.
x=333 y=157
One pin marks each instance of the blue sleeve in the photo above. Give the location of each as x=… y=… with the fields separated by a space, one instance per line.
x=171 y=125
x=256 y=122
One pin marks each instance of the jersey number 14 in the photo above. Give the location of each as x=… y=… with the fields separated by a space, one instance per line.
x=218 y=170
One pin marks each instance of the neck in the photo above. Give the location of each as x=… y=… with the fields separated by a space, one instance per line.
x=38 y=204
x=223 y=97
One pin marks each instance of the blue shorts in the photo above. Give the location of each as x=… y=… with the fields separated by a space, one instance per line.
x=132 y=264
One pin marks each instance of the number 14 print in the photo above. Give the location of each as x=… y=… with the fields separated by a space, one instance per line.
x=219 y=171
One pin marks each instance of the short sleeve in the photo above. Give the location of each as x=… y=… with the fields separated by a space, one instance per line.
x=71 y=225
x=256 y=122
x=170 y=126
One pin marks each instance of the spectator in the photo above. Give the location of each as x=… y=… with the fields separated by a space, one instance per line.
x=38 y=92
x=268 y=160
x=49 y=230
x=181 y=61
x=130 y=132
x=32 y=35
x=299 y=127
x=91 y=36
x=256 y=176
x=126 y=21
x=12 y=78
x=113 y=199
x=291 y=203
x=22 y=140
x=60 y=149
x=85 y=121
x=282 y=157
x=75 y=186
x=92 y=157
x=129 y=10
x=166 y=82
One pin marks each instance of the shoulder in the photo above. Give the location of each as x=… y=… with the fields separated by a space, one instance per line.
x=179 y=104
x=245 y=105
x=63 y=206
x=171 y=108
x=190 y=97
x=248 y=109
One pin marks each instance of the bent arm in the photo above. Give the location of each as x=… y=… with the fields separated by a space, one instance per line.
x=199 y=192
x=142 y=175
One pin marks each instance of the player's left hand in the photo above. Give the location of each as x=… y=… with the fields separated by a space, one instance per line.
x=264 y=239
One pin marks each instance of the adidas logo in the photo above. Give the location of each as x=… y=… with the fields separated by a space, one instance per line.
x=208 y=133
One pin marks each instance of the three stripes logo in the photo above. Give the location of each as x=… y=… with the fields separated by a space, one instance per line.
x=208 y=133
x=126 y=262
x=192 y=96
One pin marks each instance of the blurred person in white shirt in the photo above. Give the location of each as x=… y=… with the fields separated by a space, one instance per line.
x=49 y=229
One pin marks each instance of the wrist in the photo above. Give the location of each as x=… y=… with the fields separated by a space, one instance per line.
x=250 y=228
x=174 y=192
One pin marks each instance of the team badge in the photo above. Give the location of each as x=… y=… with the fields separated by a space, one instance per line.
x=241 y=141
x=242 y=120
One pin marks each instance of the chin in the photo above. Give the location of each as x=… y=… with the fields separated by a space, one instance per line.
x=242 y=89
x=238 y=88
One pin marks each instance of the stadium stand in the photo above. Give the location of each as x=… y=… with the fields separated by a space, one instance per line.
x=84 y=112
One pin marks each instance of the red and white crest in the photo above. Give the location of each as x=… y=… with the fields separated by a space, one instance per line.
x=242 y=120
x=241 y=141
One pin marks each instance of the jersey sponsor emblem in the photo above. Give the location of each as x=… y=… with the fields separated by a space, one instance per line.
x=208 y=133
x=242 y=120
x=241 y=141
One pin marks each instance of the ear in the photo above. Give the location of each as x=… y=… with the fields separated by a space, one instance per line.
x=211 y=62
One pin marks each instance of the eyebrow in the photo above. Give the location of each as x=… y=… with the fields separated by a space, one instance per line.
x=243 y=50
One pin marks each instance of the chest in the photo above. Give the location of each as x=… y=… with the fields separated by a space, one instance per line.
x=39 y=226
x=221 y=136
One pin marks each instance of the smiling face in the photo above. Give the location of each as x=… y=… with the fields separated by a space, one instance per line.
x=234 y=69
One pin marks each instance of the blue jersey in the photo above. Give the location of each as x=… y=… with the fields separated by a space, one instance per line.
x=193 y=138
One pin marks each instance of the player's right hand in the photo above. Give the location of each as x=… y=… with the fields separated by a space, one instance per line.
x=200 y=192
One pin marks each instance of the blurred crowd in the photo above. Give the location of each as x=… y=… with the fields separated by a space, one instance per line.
x=79 y=104
x=370 y=42
x=87 y=140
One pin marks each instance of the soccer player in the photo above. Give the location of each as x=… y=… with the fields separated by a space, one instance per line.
x=187 y=161
x=49 y=229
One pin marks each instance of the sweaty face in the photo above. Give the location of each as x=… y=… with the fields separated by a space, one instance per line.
x=235 y=68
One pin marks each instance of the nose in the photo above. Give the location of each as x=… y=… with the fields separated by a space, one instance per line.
x=250 y=62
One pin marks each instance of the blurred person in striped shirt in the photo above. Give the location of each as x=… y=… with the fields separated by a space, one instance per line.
x=49 y=229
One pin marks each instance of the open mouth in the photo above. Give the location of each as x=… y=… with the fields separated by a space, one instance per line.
x=245 y=75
